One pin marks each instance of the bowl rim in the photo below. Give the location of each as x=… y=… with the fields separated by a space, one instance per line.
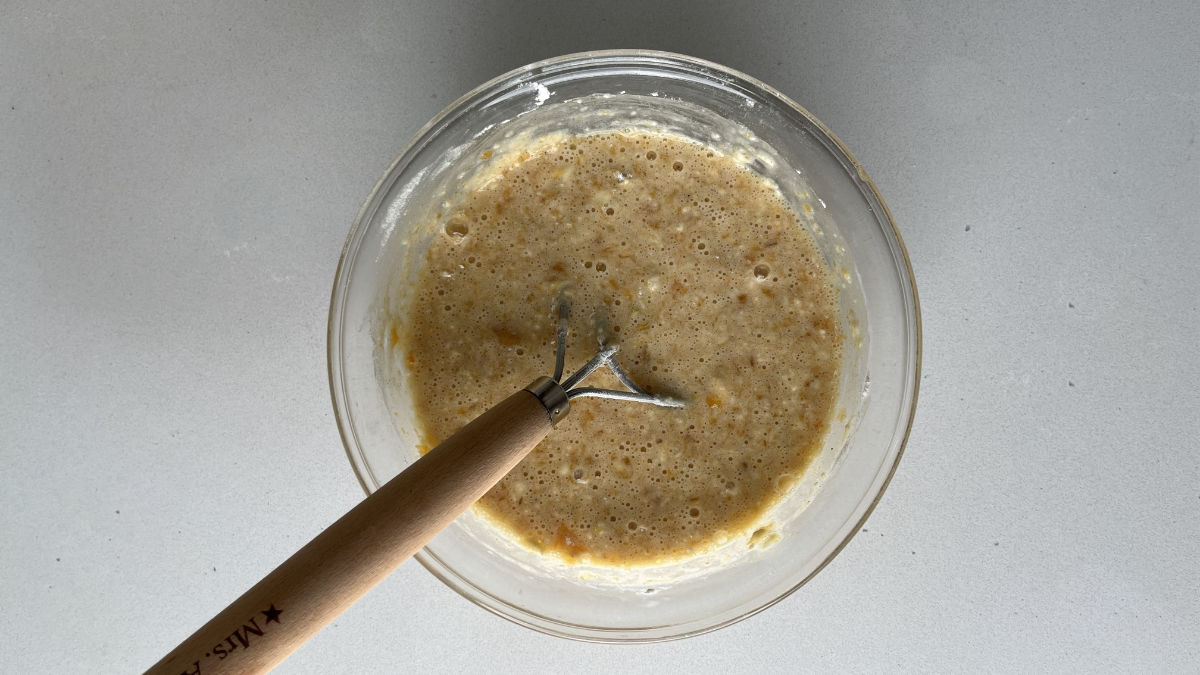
x=348 y=257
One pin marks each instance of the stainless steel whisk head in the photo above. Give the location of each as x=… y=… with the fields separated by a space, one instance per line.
x=605 y=357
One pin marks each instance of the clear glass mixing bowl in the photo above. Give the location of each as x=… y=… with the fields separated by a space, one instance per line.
x=853 y=229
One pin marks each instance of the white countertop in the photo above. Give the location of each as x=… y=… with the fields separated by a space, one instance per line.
x=176 y=185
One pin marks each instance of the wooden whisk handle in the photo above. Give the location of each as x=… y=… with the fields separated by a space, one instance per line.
x=316 y=584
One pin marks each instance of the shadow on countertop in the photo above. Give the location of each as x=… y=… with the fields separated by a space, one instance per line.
x=475 y=42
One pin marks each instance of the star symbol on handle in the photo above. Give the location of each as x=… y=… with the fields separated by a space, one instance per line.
x=272 y=614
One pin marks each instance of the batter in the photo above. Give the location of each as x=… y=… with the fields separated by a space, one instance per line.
x=699 y=270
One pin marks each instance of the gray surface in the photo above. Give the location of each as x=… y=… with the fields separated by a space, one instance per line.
x=176 y=185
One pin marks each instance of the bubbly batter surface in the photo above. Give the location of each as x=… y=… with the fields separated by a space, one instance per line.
x=699 y=270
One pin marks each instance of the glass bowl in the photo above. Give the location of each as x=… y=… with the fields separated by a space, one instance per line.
x=853 y=230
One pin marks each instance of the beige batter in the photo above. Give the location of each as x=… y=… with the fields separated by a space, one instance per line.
x=702 y=274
